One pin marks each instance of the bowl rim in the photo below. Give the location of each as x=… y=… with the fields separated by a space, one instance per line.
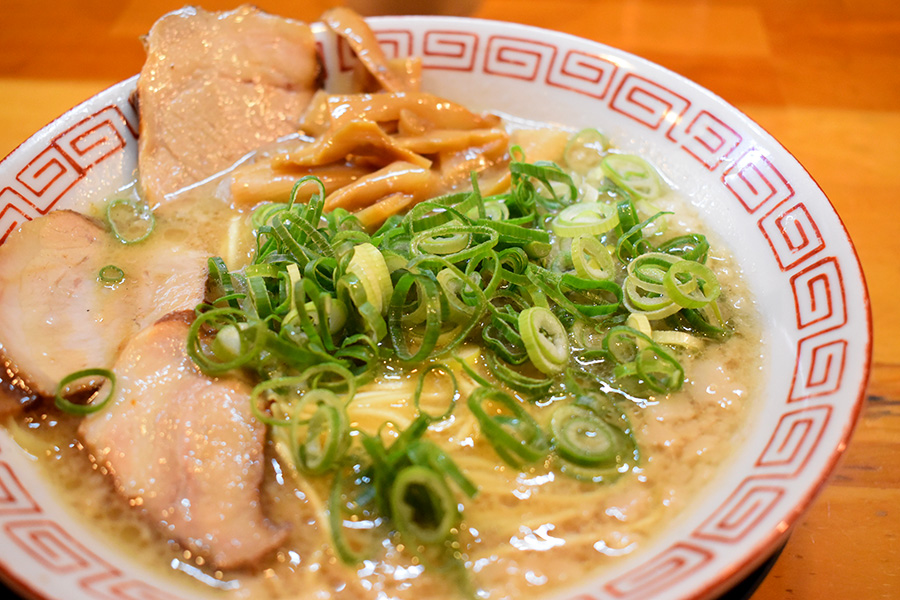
x=748 y=560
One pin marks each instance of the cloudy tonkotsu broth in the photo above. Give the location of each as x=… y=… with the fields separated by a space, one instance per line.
x=529 y=530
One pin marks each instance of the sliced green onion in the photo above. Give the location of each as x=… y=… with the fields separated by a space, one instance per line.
x=131 y=221
x=429 y=454
x=437 y=242
x=227 y=344
x=480 y=238
x=353 y=293
x=632 y=242
x=453 y=288
x=336 y=504
x=496 y=210
x=651 y=268
x=585 y=150
x=259 y=297
x=91 y=406
x=111 y=274
x=691 y=284
x=583 y=438
x=326 y=436
x=514 y=434
x=427 y=294
x=659 y=370
x=251 y=344
x=640 y=297
x=622 y=343
x=547 y=173
x=680 y=339
x=706 y=321
x=585 y=218
x=220 y=282
x=640 y=323
x=591 y=259
x=502 y=336
x=545 y=339
x=368 y=264
x=693 y=246
x=644 y=358
x=531 y=386
x=420 y=384
x=323 y=305
x=422 y=506
x=632 y=173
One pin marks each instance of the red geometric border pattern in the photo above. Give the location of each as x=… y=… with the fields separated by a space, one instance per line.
x=95 y=138
x=11 y=216
x=792 y=233
x=517 y=57
x=755 y=181
x=649 y=103
x=819 y=295
x=345 y=56
x=451 y=50
x=395 y=43
x=47 y=178
x=821 y=360
x=48 y=544
x=584 y=73
x=659 y=572
x=796 y=437
x=117 y=587
x=710 y=140
x=14 y=498
x=741 y=512
x=51 y=173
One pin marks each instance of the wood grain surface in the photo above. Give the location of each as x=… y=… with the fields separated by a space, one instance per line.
x=823 y=76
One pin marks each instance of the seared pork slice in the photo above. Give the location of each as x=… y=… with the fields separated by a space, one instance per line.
x=185 y=448
x=216 y=86
x=56 y=317
x=48 y=285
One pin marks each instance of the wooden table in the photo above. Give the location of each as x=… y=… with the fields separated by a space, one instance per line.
x=823 y=76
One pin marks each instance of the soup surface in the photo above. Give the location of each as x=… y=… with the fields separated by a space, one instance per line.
x=530 y=529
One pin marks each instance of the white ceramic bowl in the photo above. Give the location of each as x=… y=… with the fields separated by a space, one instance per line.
x=783 y=231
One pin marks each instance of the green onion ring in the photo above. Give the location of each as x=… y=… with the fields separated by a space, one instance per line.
x=111 y=274
x=691 y=284
x=585 y=218
x=632 y=173
x=583 y=438
x=591 y=259
x=420 y=384
x=516 y=436
x=84 y=409
x=428 y=291
x=545 y=339
x=327 y=434
x=131 y=221
x=422 y=506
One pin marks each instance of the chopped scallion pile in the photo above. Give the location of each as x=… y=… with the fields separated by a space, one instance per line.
x=569 y=297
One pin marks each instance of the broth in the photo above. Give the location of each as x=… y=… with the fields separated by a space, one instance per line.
x=522 y=536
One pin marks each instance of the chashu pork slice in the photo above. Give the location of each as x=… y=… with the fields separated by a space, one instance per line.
x=185 y=448
x=215 y=86
x=56 y=317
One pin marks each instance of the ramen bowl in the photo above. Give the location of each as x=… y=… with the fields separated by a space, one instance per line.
x=794 y=252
